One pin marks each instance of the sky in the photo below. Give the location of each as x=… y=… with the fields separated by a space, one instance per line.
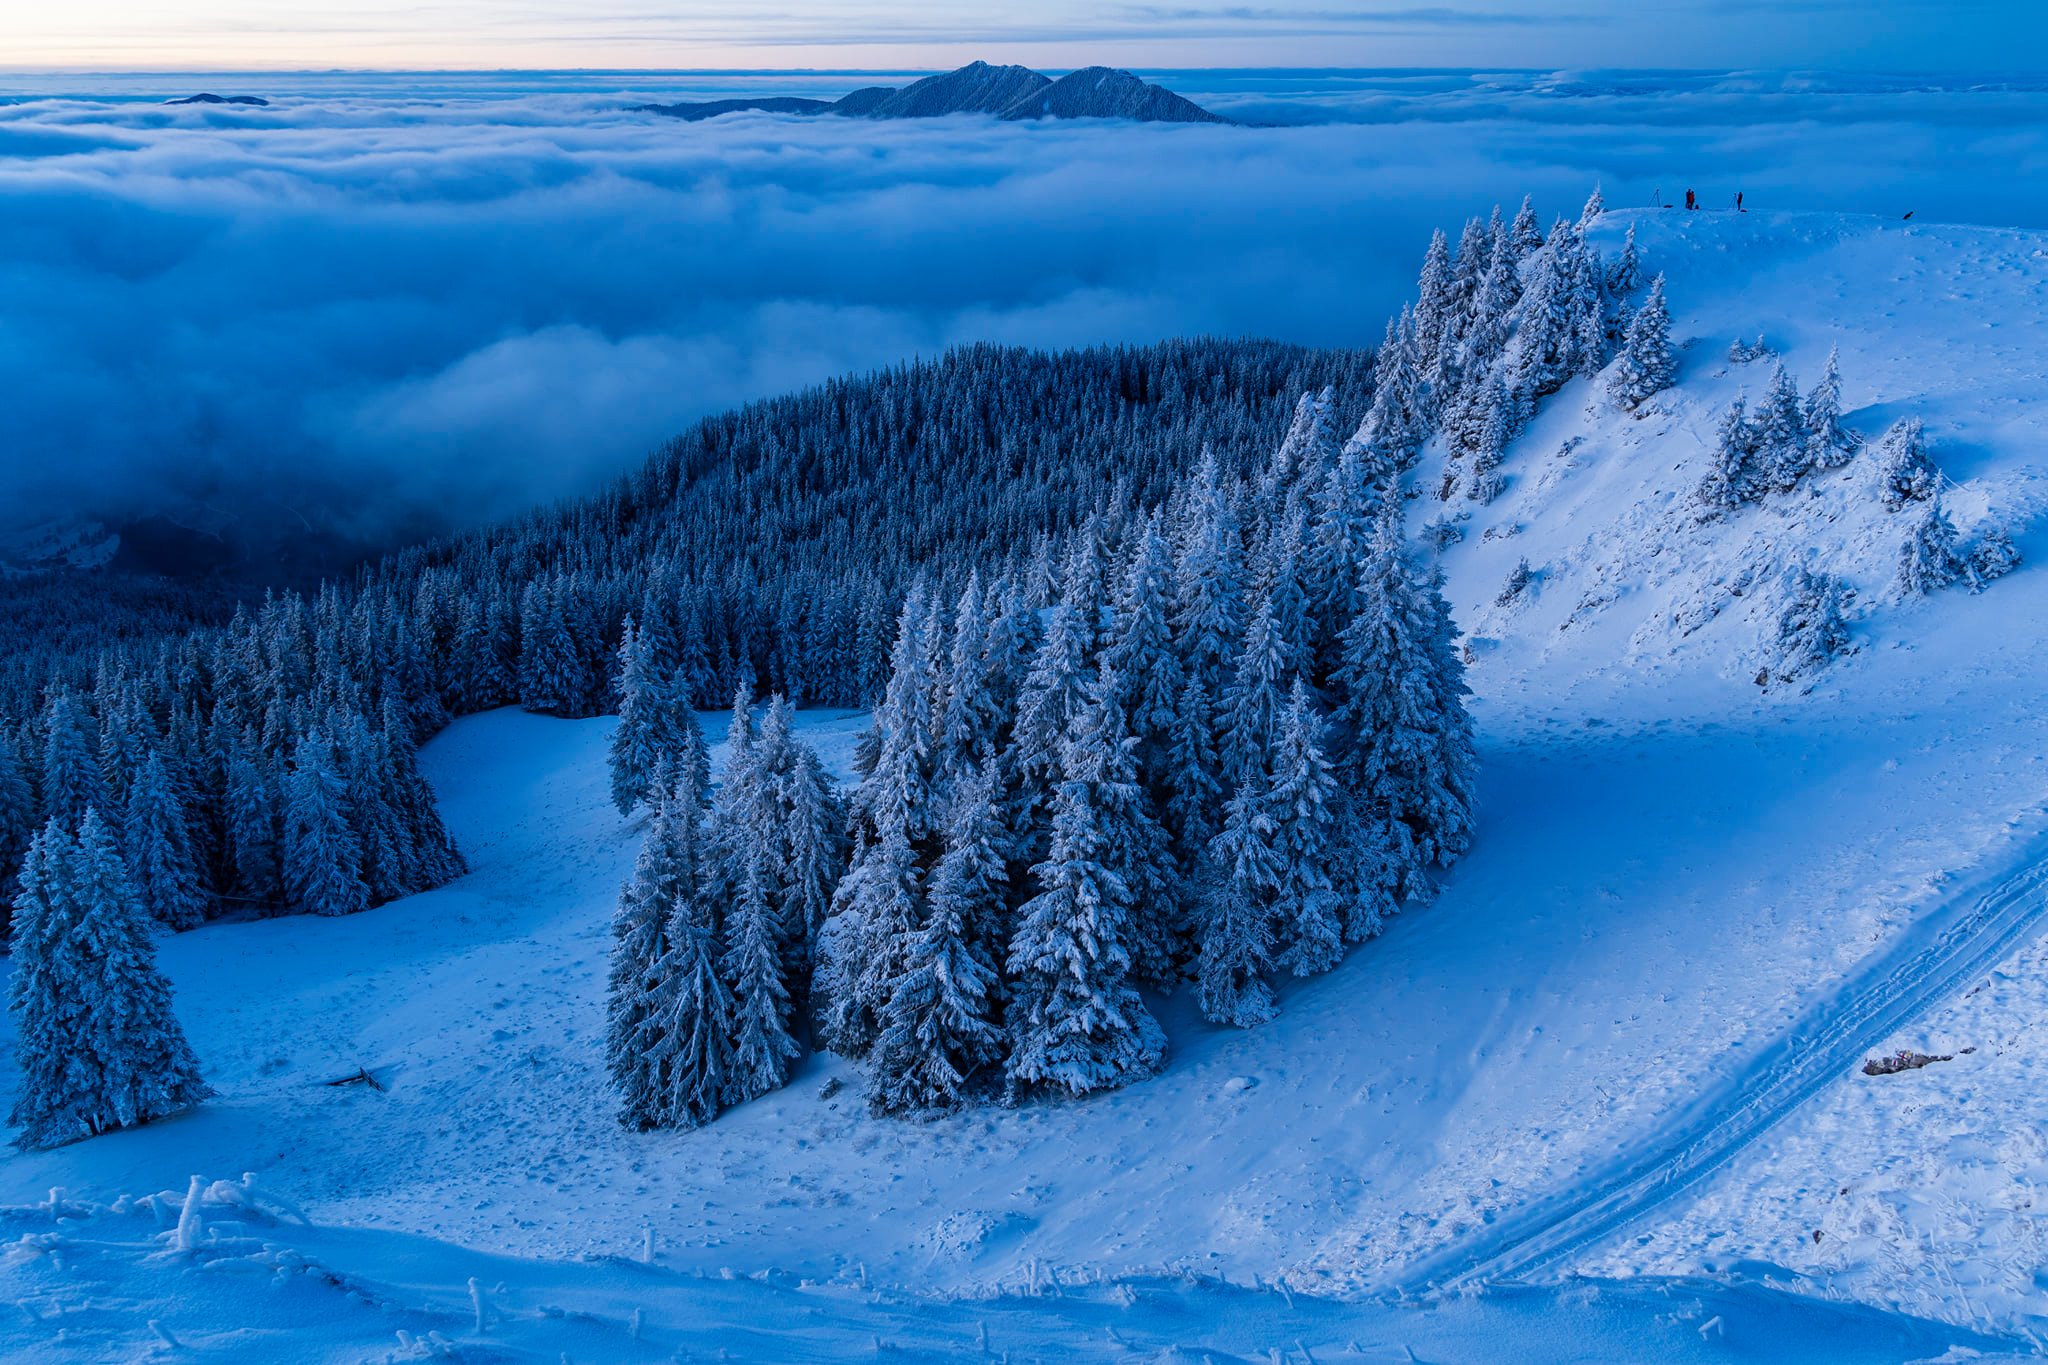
x=1976 y=37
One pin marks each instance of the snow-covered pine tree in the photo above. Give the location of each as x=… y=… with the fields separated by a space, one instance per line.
x=1625 y=276
x=1647 y=364
x=98 y=1044
x=1499 y=418
x=72 y=779
x=1829 y=444
x=1732 y=477
x=1992 y=556
x=1256 y=696
x=635 y=750
x=1780 y=425
x=250 y=820
x=1303 y=802
x=691 y=1035
x=762 y=1047
x=1243 y=873
x=881 y=898
x=1525 y=235
x=1397 y=423
x=17 y=821
x=941 y=1028
x=1435 y=301
x=1405 y=753
x=1596 y=204
x=971 y=721
x=1905 y=471
x=667 y=873
x=322 y=855
x=1928 y=561
x=1812 y=628
x=166 y=875
x=1076 y=1021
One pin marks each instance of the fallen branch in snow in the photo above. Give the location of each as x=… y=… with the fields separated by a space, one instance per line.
x=1902 y=1060
x=362 y=1076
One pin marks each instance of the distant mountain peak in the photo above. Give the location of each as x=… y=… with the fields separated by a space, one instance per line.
x=1012 y=93
x=208 y=97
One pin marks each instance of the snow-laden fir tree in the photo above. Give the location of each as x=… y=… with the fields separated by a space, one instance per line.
x=668 y=873
x=251 y=827
x=72 y=779
x=1732 y=478
x=1304 y=804
x=1647 y=364
x=637 y=750
x=323 y=859
x=17 y=820
x=1928 y=561
x=762 y=1047
x=1780 y=433
x=1596 y=204
x=1405 y=750
x=1993 y=555
x=1625 y=275
x=881 y=899
x=941 y=1029
x=691 y=1033
x=1243 y=874
x=1905 y=471
x=1525 y=235
x=1257 y=694
x=159 y=853
x=1435 y=302
x=1076 y=1021
x=971 y=721
x=97 y=1042
x=1829 y=445
x=1812 y=627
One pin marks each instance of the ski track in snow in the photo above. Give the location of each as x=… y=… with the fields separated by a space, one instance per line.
x=1976 y=932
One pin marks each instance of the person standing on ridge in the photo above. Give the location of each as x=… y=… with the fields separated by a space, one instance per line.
x=1690 y=201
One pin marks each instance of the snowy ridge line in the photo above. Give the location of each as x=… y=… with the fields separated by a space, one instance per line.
x=1925 y=968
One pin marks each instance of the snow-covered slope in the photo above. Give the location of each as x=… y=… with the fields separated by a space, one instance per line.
x=1681 y=882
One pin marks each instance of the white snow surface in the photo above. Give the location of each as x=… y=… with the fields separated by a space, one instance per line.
x=1693 y=905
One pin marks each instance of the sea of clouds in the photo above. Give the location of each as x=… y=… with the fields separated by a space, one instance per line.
x=386 y=306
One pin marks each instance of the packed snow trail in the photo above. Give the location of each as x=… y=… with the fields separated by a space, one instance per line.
x=1927 y=966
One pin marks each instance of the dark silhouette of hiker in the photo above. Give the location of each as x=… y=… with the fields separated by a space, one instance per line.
x=1738 y=203
x=1690 y=201
x=1908 y=217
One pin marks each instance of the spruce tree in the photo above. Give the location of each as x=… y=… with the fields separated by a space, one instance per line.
x=154 y=834
x=1780 y=426
x=635 y=751
x=1647 y=365
x=71 y=767
x=322 y=855
x=939 y=1030
x=1812 y=629
x=1733 y=477
x=98 y=1044
x=1237 y=929
x=1076 y=1021
x=1928 y=561
x=691 y=1049
x=1829 y=444
x=1303 y=803
x=1905 y=471
x=762 y=1047
x=1406 y=753
x=667 y=873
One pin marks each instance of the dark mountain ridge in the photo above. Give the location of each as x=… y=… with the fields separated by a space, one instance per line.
x=1011 y=93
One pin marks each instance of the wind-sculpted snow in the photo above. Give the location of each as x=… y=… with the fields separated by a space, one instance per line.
x=473 y=294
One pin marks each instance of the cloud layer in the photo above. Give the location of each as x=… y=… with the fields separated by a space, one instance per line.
x=383 y=313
